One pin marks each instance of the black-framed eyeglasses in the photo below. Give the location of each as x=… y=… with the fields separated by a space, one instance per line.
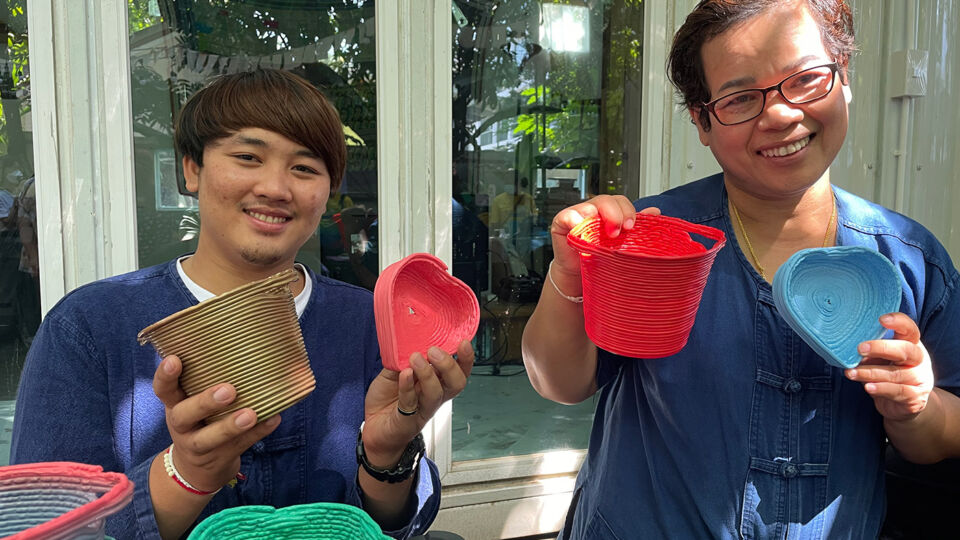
x=802 y=87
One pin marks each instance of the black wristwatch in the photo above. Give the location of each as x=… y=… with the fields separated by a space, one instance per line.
x=403 y=470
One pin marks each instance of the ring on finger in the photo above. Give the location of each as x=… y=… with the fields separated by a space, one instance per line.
x=407 y=413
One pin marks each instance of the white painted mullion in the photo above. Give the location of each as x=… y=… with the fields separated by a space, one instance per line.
x=390 y=161
x=414 y=148
x=40 y=14
x=83 y=142
x=119 y=202
x=442 y=128
x=76 y=122
x=656 y=101
x=440 y=87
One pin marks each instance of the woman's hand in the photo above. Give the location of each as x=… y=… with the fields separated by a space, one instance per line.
x=897 y=373
x=616 y=213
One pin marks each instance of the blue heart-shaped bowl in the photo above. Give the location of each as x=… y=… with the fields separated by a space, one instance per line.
x=833 y=297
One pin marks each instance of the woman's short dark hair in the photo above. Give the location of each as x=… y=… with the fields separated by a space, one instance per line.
x=713 y=17
x=270 y=99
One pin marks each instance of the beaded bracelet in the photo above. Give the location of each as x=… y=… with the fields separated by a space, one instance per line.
x=574 y=299
x=172 y=472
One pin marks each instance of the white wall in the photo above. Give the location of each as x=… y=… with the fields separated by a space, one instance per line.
x=868 y=163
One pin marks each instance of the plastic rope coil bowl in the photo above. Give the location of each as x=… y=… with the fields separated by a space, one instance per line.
x=833 y=298
x=316 y=521
x=59 y=500
x=642 y=288
x=418 y=305
x=249 y=337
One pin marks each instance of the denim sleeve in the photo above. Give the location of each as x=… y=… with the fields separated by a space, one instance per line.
x=427 y=488
x=63 y=413
x=136 y=520
x=940 y=336
x=427 y=501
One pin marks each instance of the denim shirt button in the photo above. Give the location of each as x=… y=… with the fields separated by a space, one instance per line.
x=257 y=447
x=792 y=386
x=790 y=470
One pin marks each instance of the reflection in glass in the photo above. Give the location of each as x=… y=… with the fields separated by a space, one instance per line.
x=19 y=254
x=546 y=100
x=175 y=46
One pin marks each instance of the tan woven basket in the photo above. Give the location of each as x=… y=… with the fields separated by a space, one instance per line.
x=248 y=337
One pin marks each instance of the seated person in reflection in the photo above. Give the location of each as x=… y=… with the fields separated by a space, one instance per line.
x=510 y=209
x=746 y=432
x=262 y=150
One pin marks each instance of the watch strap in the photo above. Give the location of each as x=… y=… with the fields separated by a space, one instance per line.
x=404 y=469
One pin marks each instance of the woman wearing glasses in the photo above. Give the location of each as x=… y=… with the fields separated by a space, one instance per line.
x=746 y=432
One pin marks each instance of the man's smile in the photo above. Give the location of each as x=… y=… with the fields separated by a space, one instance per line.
x=267 y=218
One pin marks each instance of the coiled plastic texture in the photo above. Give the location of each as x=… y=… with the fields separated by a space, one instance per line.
x=418 y=305
x=59 y=500
x=316 y=521
x=641 y=289
x=833 y=298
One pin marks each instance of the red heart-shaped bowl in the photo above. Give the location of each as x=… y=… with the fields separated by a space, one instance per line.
x=418 y=305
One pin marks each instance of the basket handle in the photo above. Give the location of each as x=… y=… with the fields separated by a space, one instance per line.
x=711 y=233
x=707 y=232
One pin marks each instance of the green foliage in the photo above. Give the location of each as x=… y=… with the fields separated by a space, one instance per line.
x=15 y=84
x=261 y=29
x=139 y=15
x=558 y=98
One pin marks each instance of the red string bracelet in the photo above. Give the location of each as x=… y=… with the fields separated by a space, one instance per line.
x=172 y=472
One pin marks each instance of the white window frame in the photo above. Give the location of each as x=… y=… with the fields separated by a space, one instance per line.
x=414 y=161
x=83 y=141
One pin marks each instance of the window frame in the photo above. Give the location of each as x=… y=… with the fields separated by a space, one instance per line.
x=414 y=163
x=83 y=142
x=86 y=200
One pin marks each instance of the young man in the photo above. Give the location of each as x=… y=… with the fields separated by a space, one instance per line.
x=746 y=432
x=262 y=151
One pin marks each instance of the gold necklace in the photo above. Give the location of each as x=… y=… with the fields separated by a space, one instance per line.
x=746 y=237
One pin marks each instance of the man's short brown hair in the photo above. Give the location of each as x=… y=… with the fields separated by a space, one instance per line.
x=270 y=99
x=713 y=17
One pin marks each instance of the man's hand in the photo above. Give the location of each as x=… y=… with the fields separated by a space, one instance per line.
x=423 y=387
x=206 y=455
x=897 y=373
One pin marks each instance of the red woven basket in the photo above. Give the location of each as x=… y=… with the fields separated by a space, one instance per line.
x=642 y=288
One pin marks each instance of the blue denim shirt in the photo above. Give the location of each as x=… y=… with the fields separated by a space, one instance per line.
x=86 y=395
x=746 y=432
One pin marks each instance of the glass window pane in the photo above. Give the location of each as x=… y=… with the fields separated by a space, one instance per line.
x=546 y=98
x=175 y=46
x=19 y=268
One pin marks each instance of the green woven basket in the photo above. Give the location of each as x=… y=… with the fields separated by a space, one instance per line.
x=317 y=521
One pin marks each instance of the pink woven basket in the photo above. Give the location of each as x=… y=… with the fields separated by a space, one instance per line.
x=642 y=288
x=59 y=500
x=418 y=305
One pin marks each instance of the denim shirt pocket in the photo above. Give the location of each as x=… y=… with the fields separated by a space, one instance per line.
x=584 y=523
x=598 y=529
